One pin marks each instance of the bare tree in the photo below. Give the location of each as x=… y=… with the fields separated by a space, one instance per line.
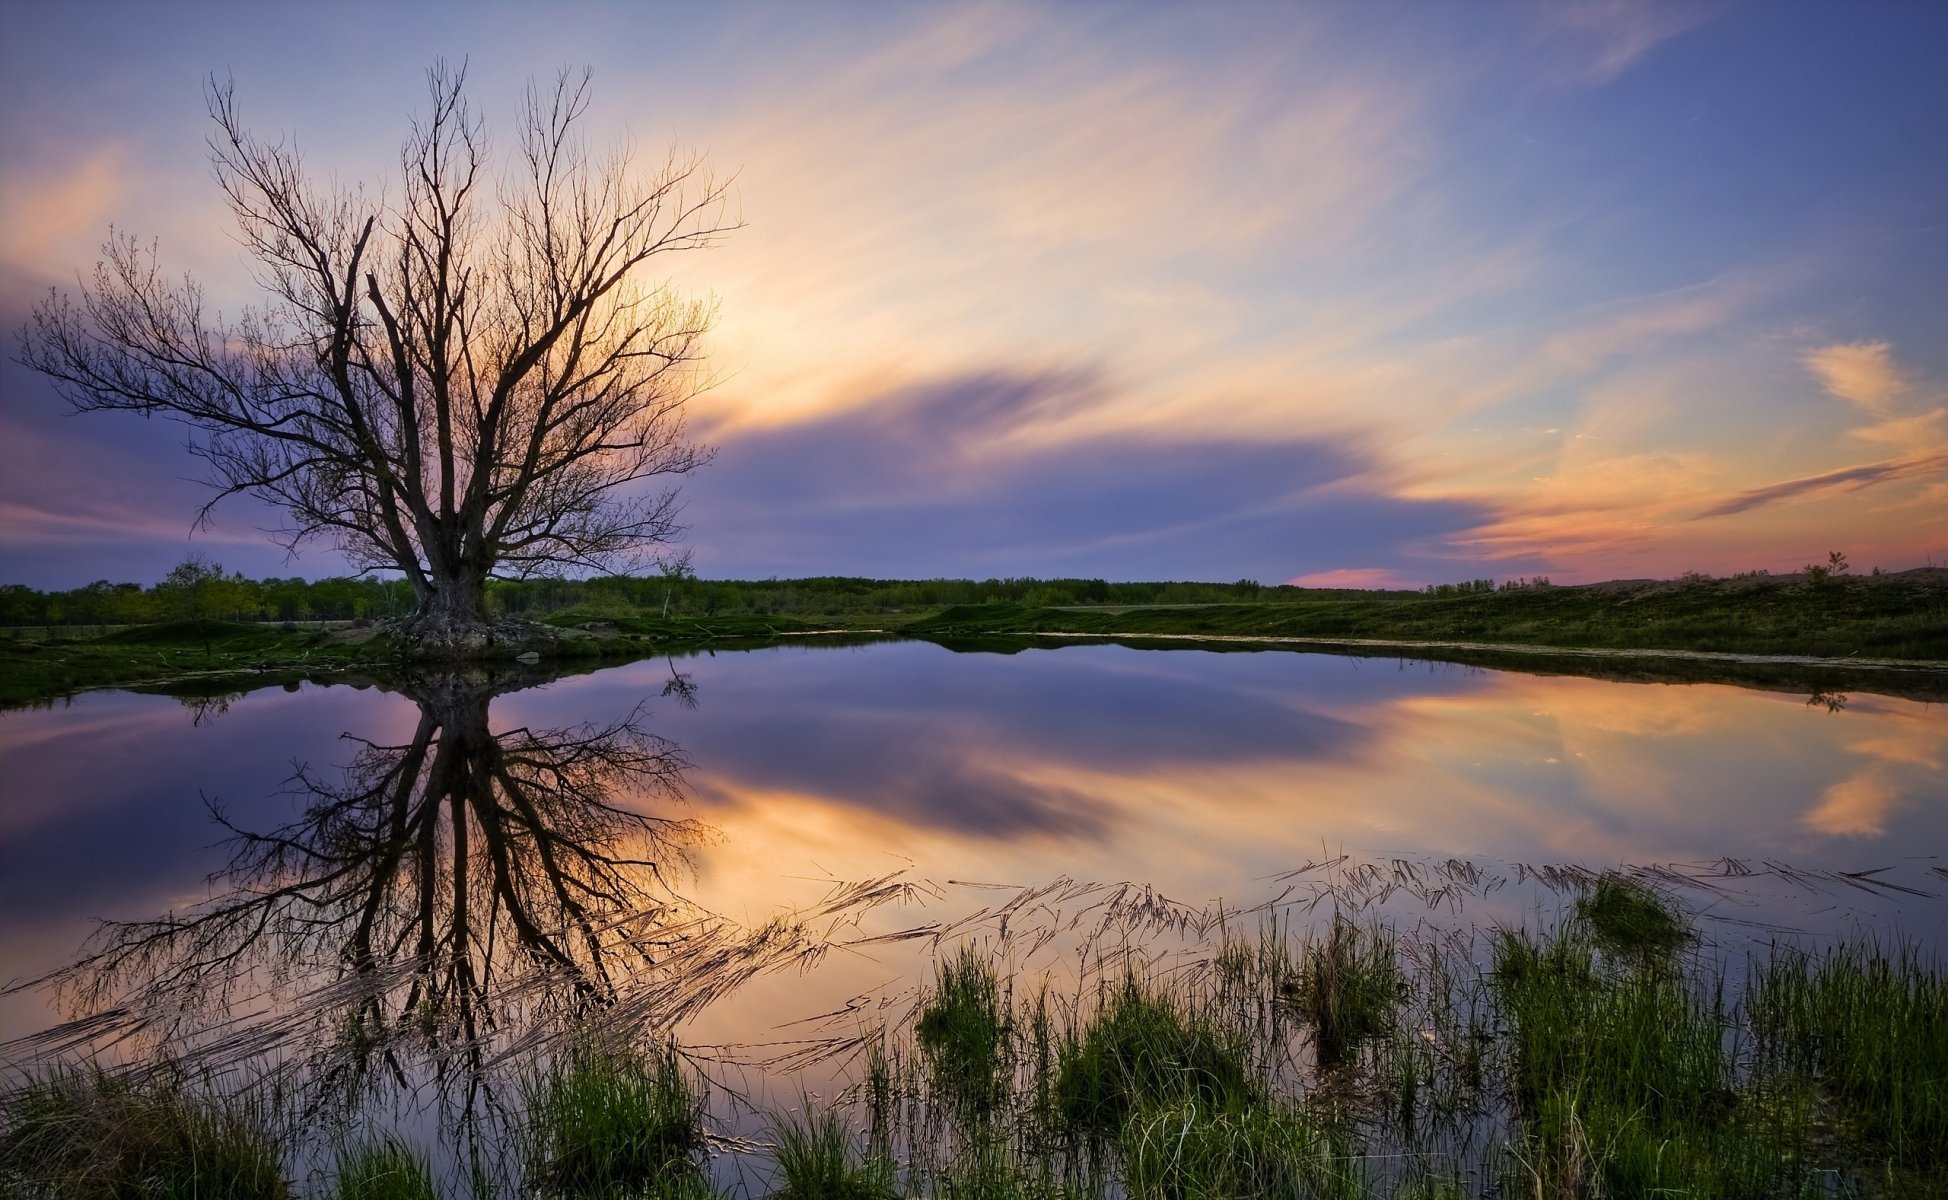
x=471 y=379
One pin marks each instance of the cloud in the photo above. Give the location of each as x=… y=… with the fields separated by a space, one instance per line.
x=1598 y=40
x=1364 y=578
x=1862 y=372
x=1850 y=478
x=973 y=474
x=55 y=219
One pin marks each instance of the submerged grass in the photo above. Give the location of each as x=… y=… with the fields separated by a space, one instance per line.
x=86 y=1134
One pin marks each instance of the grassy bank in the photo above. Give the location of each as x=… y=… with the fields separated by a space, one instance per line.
x=1900 y=616
x=210 y=658
x=1605 y=1054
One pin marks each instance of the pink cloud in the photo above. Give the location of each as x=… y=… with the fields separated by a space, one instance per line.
x=1366 y=578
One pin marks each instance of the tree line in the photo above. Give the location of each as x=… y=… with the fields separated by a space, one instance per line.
x=201 y=590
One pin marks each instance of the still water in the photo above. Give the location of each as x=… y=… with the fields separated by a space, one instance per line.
x=733 y=848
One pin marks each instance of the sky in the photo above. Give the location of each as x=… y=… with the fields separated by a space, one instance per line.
x=1343 y=294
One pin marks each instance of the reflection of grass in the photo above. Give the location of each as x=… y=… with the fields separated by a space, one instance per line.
x=614 y=1122
x=84 y=1134
x=383 y=1170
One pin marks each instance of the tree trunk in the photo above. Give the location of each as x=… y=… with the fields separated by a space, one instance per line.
x=451 y=621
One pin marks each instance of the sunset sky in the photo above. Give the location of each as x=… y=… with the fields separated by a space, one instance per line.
x=1340 y=293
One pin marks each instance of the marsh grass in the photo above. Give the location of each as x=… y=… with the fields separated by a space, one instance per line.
x=1252 y=1151
x=819 y=1158
x=1146 y=1047
x=614 y=1121
x=1626 y=1082
x=1349 y=988
x=1356 y=1060
x=965 y=1033
x=383 y=1169
x=86 y=1134
x=1627 y=918
x=1870 y=1031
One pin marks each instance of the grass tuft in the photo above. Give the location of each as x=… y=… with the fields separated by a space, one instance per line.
x=86 y=1134
x=1871 y=1031
x=384 y=1169
x=1628 y=919
x=614 y=1122
x=819 y=1159
x=1349 y=988
x=964 y=1034
x=1146 y=1047
x=1183 y=1149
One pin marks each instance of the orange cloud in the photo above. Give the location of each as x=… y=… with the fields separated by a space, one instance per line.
x=1863 y=372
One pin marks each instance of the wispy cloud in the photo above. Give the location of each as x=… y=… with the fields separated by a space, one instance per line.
x=1848 y=478
x=1863 y=372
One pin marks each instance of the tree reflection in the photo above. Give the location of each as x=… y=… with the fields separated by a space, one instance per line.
x=429 y=890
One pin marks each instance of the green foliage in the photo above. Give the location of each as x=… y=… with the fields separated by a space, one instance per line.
x=384 y=1169
x=83 y=1134
x=606 y=1121
x=964 y=1033
x=1146 y=1047
x=819 y=1159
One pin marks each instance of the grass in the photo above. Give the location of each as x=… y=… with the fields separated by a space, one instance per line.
x=383 y=1169
x=964 y=1033
x=818 y=1158
x=1899 y=616
x=1603 y=1055
x=1872 y=1031
x=1146 y=1047
x=614 y=1122
x=84 y=1134
x=1628 y=919
x=1902 y=616
x=1349 y=989
x=1183 y=1149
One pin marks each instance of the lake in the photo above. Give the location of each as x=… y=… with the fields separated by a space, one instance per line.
x=763 y=853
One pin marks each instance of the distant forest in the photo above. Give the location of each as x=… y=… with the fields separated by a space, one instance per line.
x=200 y=590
